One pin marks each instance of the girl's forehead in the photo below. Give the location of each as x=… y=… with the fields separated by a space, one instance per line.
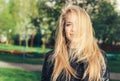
x=71 y=17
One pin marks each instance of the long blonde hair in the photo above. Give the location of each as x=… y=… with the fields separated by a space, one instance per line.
x=87 y=48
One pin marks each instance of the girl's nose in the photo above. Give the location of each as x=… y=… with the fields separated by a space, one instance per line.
x=73 y=29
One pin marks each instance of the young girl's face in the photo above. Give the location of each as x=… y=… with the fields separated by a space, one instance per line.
x=71 y=24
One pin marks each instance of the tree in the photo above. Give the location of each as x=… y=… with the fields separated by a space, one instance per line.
x=49 y=11
x=23 y=11
x=106 y=23
x=7 y=22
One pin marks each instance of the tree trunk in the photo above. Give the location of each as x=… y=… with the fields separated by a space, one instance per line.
x=32 y=40
x=26 y=42
x=44 y=46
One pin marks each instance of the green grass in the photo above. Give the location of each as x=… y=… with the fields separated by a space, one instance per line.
x=22 y=48
x=7 y=74
x=19 y=59
x=32 y=56
x=114 y=80
x=114 y=66
x=114 y=63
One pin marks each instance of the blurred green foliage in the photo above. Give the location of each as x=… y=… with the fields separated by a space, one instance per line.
x=23 y=20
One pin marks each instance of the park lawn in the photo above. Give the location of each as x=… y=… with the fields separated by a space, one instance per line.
x=114 y=64
x=22 y=48
x=8 y=74
x=114 y=80
x=32 y=56
x=20 y=59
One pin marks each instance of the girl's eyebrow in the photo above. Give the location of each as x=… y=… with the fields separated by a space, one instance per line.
x=68 y=22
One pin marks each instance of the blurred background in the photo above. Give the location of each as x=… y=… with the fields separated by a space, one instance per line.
x=27 y=29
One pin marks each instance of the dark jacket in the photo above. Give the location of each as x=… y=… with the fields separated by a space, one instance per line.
x=79 y=67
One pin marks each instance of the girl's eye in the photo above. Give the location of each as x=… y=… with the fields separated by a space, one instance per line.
x=67 y=24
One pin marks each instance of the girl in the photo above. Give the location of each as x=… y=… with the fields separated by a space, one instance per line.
x=76 y=56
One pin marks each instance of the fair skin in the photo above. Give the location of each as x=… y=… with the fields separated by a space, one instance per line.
x=71 y=28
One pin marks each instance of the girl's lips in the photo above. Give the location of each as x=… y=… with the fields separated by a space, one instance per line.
x=71 y=34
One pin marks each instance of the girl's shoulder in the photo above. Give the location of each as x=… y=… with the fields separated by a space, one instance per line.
x=49 y=53
x=48 y=56
x=104 y=53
